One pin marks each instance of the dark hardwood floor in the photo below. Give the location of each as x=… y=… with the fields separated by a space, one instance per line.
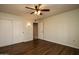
x=38 y=47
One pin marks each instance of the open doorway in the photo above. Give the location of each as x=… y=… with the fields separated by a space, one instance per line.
x=35 y=31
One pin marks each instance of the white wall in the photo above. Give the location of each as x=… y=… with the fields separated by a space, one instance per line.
x=14 y=29
x=40 y=30
x=62 y=28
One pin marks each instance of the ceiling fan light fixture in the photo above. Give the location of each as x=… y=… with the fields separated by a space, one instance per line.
x=35 y=12
x=38 y=12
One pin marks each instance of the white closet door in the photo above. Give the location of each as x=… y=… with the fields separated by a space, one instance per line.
x=18 y=30
x=5 y=32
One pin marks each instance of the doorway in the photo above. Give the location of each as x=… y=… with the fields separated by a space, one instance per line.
x=35 y=31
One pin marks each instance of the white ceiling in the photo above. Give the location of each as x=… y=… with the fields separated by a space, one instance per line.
x=19 y=9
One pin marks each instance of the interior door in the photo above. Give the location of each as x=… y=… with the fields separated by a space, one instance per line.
x=35 y=31
x=18 y=30
x=6 y=37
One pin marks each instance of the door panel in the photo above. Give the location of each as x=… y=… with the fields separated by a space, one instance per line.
x=5 y=32
x=18 y=31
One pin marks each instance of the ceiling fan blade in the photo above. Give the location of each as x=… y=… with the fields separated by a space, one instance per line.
x=39 y=5
x=30 y=8
x=45 y=9
x=36 y=7
x=31 y=12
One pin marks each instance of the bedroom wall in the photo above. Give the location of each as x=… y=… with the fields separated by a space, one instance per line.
x=62 y=28
x=14 y=29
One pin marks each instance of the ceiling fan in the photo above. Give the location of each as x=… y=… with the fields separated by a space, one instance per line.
x=37 y=9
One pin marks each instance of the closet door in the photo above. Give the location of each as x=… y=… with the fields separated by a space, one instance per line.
x=18 y=30
x=6 y=32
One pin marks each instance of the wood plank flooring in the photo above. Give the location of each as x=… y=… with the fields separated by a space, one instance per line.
x=38 y=47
